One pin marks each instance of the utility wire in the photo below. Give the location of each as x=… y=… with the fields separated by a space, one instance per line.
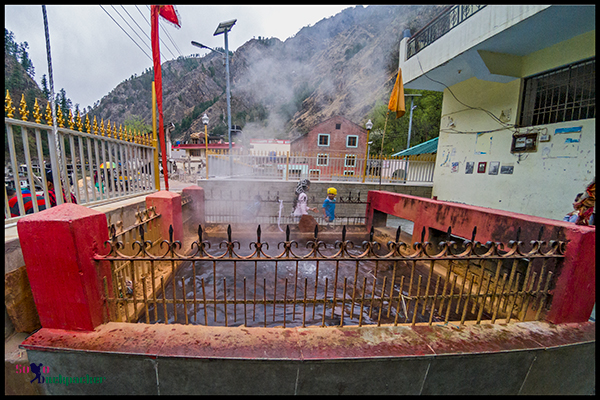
x=130 y=27
x=143 y=51
x=508 y=126
x=149 y=40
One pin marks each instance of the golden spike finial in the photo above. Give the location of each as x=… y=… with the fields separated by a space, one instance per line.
x=102 y=126
x=114 y=130
x=120 y=133
x=70 y=120
x=108 y=128
x=95 y=126
x=79 y=123
x=36 y=112
x=23 y=108
x=88 y=126
x=59 y=118
x=9 y=109
x=48 y=114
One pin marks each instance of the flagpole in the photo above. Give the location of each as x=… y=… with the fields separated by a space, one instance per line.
x=158 y=80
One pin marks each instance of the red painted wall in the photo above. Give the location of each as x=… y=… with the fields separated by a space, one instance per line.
x=574 y=295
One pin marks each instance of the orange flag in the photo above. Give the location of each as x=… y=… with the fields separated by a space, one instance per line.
x=397 y=98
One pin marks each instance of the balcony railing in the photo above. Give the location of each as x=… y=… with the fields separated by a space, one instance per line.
x=440 y=25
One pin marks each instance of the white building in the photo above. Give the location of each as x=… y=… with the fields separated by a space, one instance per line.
x=518 y=121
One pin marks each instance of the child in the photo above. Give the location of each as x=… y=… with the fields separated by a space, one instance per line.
x=329 y=205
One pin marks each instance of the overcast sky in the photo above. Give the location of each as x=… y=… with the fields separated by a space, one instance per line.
x=91 y=54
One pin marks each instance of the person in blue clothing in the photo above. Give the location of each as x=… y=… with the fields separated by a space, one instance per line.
x=329 y=205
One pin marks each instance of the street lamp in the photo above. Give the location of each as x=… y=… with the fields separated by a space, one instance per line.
x=412 y=107
x=224 y=27
x=205 y=122
x=369 y=126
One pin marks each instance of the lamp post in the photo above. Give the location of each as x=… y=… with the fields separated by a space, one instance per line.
x=412 y=107
x=205 y=122
x=224 y=28
x=369 y=126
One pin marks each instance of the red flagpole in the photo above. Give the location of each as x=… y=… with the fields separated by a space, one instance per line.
x=155 y=11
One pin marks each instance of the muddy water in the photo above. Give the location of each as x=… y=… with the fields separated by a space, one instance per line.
x=303 y=284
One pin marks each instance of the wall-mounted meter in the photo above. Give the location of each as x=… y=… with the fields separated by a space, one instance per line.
x=525 y=142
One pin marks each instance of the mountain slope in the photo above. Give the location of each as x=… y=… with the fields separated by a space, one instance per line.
x=340 y=66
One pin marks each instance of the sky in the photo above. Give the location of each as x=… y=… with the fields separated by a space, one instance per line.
x=91 y=54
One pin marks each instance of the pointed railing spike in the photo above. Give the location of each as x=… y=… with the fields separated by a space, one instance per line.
x=518 y=233
x=229 y=233
x=372 y=233
x=448 y=234
x=344 y=233
x=398 y=231
x=473 y=234
x=199 y=233
x=316 y=230
x=287 y=234
x=541 y=233
x=423 y=235
x=171 y=233
x=258 y=234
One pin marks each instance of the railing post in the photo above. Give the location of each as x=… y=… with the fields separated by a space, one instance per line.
x=168 y=205
x=58 y=248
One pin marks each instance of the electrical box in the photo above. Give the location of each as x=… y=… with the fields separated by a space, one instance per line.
x=524 y=143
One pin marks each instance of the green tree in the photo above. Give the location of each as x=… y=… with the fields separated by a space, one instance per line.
x=425 y=124
x=45 y=89
x=26 y=63
x=138 y=124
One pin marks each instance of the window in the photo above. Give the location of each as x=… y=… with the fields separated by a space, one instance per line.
x=564 y=94
x=322 y=160
x=348 y=173
x=351 y=141
x=314 y=173
x=338 y=126
x=350 y=160
x=323 y=139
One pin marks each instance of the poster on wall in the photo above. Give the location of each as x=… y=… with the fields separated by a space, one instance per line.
x=454 y=167
x=507 y=169
x=481 y=167
x=494 y=167
x=469 y=167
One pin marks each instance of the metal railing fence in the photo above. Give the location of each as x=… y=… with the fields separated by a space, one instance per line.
x=260 y=207
x=337 y=284
x=321 y=167
x=102 y=163
x=439 y=26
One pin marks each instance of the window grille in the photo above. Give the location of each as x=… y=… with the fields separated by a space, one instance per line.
x=350 y=160
x=322 y=160
x=564 y=94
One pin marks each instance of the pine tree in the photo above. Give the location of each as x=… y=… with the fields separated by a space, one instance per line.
x=45 y=89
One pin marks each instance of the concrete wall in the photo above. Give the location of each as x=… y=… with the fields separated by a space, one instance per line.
x=246 y=190
x=521 y=358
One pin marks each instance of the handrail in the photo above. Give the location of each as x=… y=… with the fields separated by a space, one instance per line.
x=440 y=25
